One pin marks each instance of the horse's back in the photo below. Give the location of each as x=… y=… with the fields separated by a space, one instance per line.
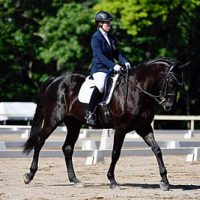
x=68 y=82
x=73 y=78
x=62 y=90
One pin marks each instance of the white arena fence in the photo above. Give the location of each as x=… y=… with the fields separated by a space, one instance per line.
x=17 y=111
x=95 y=150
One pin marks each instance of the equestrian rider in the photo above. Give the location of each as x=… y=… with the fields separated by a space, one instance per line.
x=105 y=52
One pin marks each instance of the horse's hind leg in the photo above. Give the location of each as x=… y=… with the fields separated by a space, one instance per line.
x=73 y=128
x=150 y=140
x=44 y=134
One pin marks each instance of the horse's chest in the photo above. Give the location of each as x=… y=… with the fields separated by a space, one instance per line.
x=147 y=116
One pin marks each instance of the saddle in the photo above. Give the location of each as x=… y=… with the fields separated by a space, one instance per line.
x=86 y=90
x=88 y=86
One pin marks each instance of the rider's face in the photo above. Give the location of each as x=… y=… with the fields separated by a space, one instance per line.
x=106 y=26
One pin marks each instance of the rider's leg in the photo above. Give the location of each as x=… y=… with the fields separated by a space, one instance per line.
x=96 y=97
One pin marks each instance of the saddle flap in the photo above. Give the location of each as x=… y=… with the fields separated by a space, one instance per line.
x=86 y=90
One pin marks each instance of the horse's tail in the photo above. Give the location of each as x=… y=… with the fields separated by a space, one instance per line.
x=37 y=119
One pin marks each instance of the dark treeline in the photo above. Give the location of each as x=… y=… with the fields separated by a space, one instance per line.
x=39 y=39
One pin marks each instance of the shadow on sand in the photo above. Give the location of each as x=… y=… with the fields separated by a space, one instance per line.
x=135 y=185
x=156 y=186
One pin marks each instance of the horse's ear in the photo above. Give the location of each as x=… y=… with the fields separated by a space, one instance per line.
x=184 y=66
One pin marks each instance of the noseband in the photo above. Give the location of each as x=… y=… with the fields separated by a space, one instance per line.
x=161 y=98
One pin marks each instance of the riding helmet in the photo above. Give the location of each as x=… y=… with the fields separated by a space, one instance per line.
x=103 y=16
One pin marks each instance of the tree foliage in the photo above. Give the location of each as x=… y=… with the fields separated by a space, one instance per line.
x=39 y=39
x=162 y=28
x=65 y=37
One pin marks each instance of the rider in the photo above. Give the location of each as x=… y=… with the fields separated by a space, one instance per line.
x=104 y=48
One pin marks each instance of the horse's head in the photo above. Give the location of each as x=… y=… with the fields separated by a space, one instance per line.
x=159 y=79
x=169 y=87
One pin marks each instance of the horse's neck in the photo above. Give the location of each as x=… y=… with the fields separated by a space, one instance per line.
x=127 y=98
x=158 y=72
x=147 y=75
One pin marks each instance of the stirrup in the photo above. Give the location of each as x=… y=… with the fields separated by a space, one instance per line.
x=90 y=118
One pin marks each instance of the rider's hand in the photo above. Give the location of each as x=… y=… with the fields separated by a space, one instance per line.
x=117 y=68
x=128 y=65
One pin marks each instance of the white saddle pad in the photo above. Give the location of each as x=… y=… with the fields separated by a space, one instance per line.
x=88 y=86
x=86 y=90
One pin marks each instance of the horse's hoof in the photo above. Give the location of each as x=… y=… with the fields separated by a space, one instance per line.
x=27 y=179
x=114 y=186
x=79 y=184
x=164 y=186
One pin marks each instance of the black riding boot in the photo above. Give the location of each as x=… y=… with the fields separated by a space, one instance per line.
x=95 y=99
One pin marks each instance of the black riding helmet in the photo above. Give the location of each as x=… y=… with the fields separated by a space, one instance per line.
x=103 y=16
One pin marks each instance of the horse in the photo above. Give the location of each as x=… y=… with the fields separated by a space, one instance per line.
x=132 y=107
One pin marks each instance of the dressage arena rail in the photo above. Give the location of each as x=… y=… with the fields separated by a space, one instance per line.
x=191 y=118
x=96 y=150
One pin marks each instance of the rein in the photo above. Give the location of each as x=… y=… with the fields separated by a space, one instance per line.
x=161 y=98
x=127 y=81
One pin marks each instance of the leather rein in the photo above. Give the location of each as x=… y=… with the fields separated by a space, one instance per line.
x=161 y=97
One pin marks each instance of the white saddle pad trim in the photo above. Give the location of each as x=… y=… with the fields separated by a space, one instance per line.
x=86 y=90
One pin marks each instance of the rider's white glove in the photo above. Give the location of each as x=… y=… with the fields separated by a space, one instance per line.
x=117 y=68
x=128 y=65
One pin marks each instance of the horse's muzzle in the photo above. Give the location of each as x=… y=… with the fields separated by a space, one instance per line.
x=167 y=108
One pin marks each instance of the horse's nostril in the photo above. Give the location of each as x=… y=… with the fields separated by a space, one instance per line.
x=167 y=108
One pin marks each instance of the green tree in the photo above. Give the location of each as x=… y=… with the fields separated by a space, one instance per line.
x=161 y=28
x=24 y=63
x=39 y=39
x=17 y=49
x=66 y=38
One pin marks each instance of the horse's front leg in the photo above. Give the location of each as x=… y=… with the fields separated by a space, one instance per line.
x=118 y=142
x=150 y=140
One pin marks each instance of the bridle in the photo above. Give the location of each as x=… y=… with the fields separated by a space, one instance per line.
x=161 y=98
x=163 y=93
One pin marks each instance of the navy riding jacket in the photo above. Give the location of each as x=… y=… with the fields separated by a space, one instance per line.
x=104 y=54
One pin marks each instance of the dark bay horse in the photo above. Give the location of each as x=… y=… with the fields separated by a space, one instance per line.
x=132 y=107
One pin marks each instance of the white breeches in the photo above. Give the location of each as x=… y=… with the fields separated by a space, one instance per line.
x=99 y=79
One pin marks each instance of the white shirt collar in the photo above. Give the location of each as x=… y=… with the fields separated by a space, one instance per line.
x=103 y=32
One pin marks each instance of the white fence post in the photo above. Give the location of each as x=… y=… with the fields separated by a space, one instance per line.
x=194 y=156
x=107 y=139
x=83 y=134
